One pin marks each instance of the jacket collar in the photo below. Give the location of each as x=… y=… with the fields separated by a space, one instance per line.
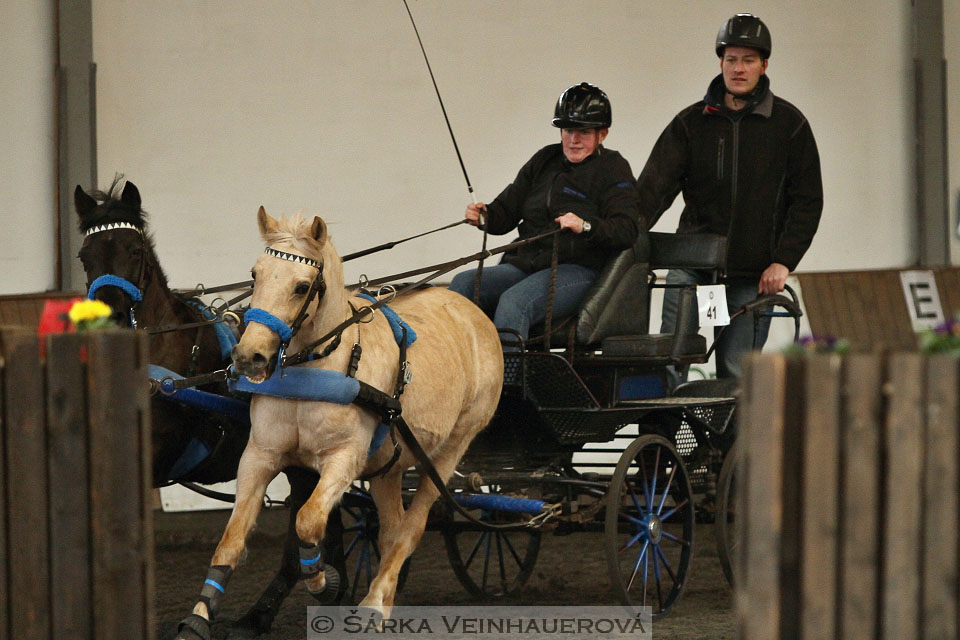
x=569 y=165
x=761 y=100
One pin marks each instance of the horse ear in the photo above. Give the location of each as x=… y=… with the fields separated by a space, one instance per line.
x=266 y=223
x=318 y=229
x=130 y=195
x=83 y=203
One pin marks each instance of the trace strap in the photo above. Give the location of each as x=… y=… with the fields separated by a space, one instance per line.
x=435 y=271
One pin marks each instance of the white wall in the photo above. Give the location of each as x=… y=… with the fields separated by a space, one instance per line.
x=28 y=187
x=213 y=109
x=951 y=46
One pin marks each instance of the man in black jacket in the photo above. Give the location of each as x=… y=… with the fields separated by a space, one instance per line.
x=577 y=185
x=747 y=164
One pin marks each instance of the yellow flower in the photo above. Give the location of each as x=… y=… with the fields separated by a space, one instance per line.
x=88 y=311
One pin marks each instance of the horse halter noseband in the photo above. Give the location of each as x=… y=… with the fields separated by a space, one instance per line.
x=134 y=291
x=317 y=288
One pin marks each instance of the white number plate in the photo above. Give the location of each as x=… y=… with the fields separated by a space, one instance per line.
x=712 y=305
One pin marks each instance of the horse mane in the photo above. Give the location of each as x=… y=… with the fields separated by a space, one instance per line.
x=111 y=208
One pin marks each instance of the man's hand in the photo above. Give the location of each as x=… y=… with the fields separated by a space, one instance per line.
x=772 y=279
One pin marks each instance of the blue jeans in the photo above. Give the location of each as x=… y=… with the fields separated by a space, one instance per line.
x=517 y=300
x=738 y=337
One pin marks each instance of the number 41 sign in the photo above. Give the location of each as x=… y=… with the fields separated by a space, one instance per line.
x=712 y=305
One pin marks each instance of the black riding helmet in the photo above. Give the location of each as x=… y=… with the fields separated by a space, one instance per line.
x=582 y=106
x=744 y=30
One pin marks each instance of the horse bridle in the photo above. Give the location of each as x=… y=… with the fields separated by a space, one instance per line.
x=286 y=333
x=134 y=291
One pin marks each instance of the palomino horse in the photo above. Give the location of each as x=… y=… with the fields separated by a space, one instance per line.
x=118 y=251
x=457 y=372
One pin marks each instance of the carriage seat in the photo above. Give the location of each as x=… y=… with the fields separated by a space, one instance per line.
x=615 y=314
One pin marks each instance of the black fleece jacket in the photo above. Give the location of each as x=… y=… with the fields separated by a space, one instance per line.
x=600 y=189
x=752 y=175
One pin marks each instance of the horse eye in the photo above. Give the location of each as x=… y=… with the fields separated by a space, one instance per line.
x=302 y=289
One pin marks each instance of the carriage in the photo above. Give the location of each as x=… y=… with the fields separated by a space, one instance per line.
x=590 y=436
x=599 y=377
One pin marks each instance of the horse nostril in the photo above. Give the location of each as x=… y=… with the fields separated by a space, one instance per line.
x=259 y=359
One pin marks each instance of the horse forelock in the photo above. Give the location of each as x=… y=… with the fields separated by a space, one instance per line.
x=111 y=208
x=293 y=235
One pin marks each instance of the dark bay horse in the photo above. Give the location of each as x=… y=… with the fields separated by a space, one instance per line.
x=120 y=262
x=457 y=373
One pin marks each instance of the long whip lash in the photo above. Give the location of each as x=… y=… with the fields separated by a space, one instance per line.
x=442 y=108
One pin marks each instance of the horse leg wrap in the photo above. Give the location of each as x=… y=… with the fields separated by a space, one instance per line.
x=214 y=587
x=310 y=565
x=193 y=627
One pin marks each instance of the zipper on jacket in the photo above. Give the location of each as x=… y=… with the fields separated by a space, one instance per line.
x=733 y=169
x=720 y=143
x=734 y=147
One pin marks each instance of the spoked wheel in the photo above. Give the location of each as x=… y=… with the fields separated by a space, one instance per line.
x=491 y=565
x=649 y=525
x=726 y=527
x=361 y=530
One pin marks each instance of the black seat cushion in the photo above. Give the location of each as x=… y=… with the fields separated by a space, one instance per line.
x=653 y=345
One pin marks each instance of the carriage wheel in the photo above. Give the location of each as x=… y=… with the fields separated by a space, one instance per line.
x=361 y=529
x=649 y=525
x=726 y=531
x=491 y=565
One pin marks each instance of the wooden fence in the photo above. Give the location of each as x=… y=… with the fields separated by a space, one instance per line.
x=868 y=307
x=848 y=507
x=76 y=548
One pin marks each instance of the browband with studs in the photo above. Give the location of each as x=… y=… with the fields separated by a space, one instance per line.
x=292 y=257
x=111 y=226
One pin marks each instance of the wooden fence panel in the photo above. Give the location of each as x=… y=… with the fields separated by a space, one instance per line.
x=821 y=468
x=940 y=488
x=76 y=554
x=865 y=307
x=25 y=310
x=4 y=562
x=69 y=450
x=29 y=580
x=874 y=535
x=121 y=524
x=902 y=497
x=860 y=446
x=763 y=422
x=791 y=493
x=948 y=285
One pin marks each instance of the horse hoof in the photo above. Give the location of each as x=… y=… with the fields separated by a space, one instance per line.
x=193 y=627
x=330 y=594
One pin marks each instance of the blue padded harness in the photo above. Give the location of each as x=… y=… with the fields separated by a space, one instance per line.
x=109 y=280
x=396 y=322
x=224 y=335
x=269 y=320
x=323 y=385
x=196 y=450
